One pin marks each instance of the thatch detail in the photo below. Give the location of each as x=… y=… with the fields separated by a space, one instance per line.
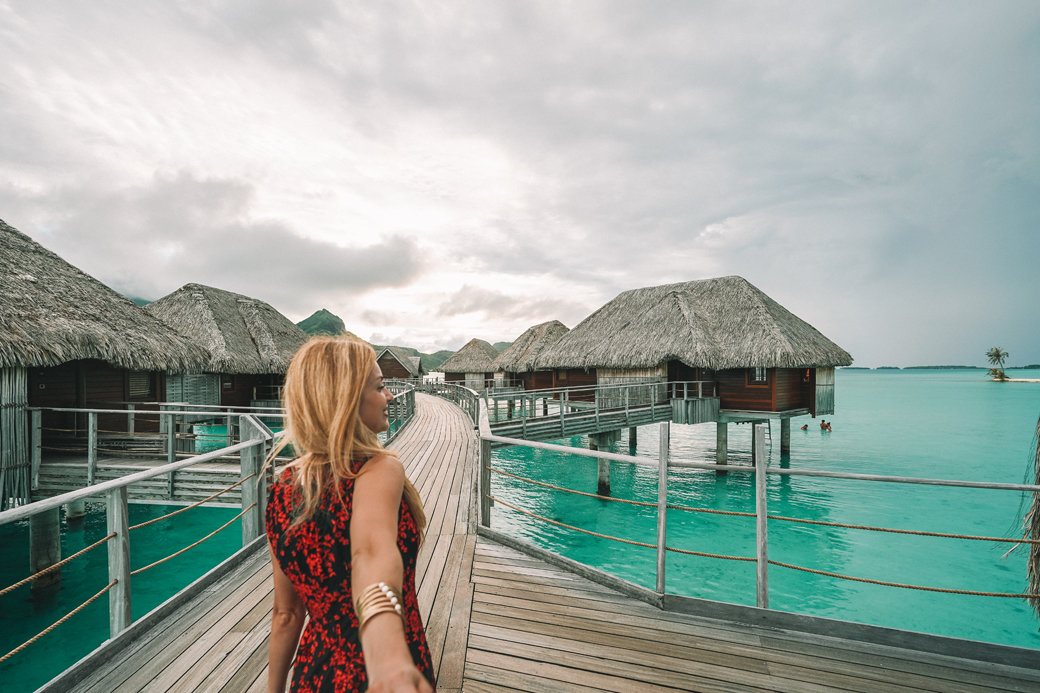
x=52 y=313
x=712 y=323
x=413 y=364
x=520 y=356
x=477 y=356
x=242 y=334
x=1032 y=528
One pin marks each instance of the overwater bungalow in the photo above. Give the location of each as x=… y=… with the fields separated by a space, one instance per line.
x=757 y=358
x=249 y=342
x=518 y=361
x=396 y=362
x=69 y=341
x=472 y=365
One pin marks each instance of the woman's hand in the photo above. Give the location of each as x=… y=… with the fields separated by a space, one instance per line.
x=407 y=679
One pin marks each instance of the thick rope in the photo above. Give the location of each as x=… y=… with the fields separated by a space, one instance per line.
x=900 y=584
x=57 y=623
x=576 y=529
x=193 y=505
x=191 y=546
x=903 y=531
x=56 y=565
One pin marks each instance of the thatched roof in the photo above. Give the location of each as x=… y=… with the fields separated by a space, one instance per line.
x=52 y=313
x=520 y=356
x=477 y=356
x=412 y=363
x=242 y=334
x=712 y=323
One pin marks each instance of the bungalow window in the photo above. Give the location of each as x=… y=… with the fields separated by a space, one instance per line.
x=141 y=385
x=757 y=376
x=227 y=382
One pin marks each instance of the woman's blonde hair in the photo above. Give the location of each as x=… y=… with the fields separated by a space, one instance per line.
x=322 y=396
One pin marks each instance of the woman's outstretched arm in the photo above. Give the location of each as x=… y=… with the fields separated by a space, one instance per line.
x=287 y=617
x=376 y=558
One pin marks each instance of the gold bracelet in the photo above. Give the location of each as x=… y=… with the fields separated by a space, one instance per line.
x=376 y=599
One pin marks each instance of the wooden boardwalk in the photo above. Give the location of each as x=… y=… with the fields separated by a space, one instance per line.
x=501 y=620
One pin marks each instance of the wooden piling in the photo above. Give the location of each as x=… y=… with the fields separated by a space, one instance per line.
x=45 y=547
x=721 y=444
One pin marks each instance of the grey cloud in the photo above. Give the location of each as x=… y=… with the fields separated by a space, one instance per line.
x=506 y=307
x=148 y=241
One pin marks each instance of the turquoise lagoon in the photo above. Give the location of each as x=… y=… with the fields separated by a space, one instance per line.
x=948 y=424
x=24 y=614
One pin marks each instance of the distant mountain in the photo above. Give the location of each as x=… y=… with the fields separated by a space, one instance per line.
x=323 y=322
x=501 y=346
x=430 y=362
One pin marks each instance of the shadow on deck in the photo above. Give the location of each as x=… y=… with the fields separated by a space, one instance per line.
x=502 y=620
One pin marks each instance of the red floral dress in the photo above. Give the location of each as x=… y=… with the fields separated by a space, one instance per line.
x=315 y=556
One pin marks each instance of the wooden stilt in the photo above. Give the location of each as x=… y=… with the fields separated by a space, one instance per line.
x=721 y=444
x=45 y=547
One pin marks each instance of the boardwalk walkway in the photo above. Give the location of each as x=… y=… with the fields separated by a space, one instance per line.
x=500 y=620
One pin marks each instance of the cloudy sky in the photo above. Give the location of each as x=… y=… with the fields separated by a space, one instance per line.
x=436 y=171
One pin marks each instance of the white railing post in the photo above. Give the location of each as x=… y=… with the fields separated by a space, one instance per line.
x=761 y=528
x=251 y=461
x=37 y=446
x=118 y=560
x=171 y=436
x=485 y=482
x=662 y=502
x=563 y=415
x=130 y=407
x=91 y=446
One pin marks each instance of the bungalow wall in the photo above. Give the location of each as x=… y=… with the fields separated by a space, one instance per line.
x=534 y=380
x=95 y=385
x=626 y=376
x=238 y=389
x=576 y=377
x=737 y=392
x=392 y=368
x=784 y=389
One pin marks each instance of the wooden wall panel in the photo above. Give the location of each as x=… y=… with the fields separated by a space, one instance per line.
x=735 y=393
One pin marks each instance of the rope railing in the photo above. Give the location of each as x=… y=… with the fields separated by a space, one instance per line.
x=59 y=564
x=488 y=469
x=251 y=452
x=193 y=505
x=57 y=623
x=193 y=545
x=752 y=559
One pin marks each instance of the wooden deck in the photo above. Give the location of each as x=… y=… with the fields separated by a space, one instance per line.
x=501 y=620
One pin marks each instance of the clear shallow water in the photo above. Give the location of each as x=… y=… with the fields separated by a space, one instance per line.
x=949 y=424
x=24 y=614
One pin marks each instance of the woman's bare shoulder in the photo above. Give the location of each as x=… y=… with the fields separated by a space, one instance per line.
x=385 y=468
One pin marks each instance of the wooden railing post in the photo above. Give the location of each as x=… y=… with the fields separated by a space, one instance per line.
x=563 y=413
x=251 y=461
x=37 y=446
x=91 y=446
x=171 y=436
x=130 y=417
x=118 y=560
x=485 y=482
x=662 y=502
x=761 y=528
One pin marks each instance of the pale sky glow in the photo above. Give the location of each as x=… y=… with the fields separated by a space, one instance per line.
x=437 y=171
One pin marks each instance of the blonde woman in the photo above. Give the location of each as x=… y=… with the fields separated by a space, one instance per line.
x=344 y=526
